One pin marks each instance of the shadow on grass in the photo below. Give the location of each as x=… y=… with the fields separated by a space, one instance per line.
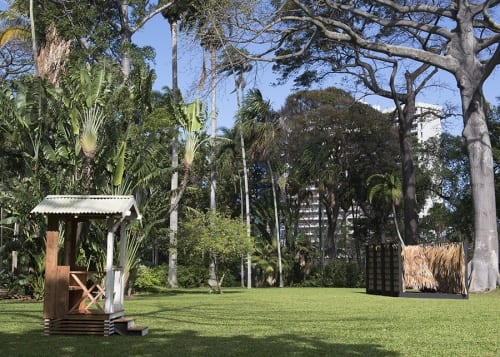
x=178 y=292
x=183 y=343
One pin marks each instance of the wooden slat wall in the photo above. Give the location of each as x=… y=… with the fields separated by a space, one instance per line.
x=382 y=269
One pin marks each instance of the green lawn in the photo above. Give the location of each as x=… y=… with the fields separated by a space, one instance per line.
x=274 y=322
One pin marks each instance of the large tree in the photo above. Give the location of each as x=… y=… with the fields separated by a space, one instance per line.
x=463 y=39
x=327 y=147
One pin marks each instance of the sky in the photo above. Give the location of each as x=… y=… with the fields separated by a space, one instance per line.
x=156 y=33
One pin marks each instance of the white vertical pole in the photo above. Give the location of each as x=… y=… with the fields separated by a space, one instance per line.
x=108 y=305
x=14 y=252
x=120 y=288
x=123 y=244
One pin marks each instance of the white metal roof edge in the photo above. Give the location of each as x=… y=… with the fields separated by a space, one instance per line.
x=122 y=205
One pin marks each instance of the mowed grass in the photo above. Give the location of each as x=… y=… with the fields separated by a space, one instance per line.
x=274 y=322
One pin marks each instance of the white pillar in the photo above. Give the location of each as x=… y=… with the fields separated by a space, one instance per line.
x=123 y=244
x=110 y=279
x=120 y=284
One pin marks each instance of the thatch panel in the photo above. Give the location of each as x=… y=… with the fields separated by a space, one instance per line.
x=447 y=264
x=416 y=271
x=434 y=268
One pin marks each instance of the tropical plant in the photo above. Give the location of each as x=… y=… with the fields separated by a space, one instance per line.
x=174 y=14
x=222 y=239
x=13 y=27
x=237 y=65
x=388 y=187
x=260 y=122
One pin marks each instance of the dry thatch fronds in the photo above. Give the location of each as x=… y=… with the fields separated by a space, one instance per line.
x=437 y=268
x=53 y=56
x=447 y=264
x=416 y=271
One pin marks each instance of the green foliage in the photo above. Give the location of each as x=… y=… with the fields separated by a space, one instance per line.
x=36 y=282
x=340 y=274
x=7 y=279
x=388 y=186
x=223 y=238
x=151 y=279
x=192 y=275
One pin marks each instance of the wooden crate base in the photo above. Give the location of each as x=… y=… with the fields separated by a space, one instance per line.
x=82 y=324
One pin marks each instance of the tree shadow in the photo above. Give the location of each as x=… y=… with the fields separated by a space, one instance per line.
x=183 y=343
x=197 y=291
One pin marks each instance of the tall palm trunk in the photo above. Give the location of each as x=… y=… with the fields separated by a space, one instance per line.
x=277 y=223
x=213 y=123
x=247 y=200
x=33 y=37
x=395 y=218
x=247 y=207
x=174 y=181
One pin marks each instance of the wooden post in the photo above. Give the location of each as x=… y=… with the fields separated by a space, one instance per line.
x=110 y=280
x=69 y=256
x=49 y=308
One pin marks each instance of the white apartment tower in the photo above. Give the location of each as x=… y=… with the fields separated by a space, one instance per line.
x=427 y=125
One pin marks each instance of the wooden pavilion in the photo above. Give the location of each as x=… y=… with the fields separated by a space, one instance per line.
x=75 y=302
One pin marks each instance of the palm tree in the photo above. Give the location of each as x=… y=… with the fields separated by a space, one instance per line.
x=15 y=30
x=205 y=21
x=33 y=36
x=388 y=186
x=237 y=65
x=14 y=27
x=51 y=58
x=174 y=14
x=260 y=121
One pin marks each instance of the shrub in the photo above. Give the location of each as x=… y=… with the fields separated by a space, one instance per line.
x=151 y=279
x=340 y=275
x=230 y=280
x=192 y=276
x=36 y=286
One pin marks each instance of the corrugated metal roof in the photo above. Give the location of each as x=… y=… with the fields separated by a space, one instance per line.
x=88 y=205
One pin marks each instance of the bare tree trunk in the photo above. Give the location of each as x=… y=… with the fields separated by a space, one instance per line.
x=484 y=273
x=126 y=39
x=408 y=167
x=332 y=212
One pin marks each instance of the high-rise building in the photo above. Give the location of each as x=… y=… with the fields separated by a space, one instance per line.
x=427 y=125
